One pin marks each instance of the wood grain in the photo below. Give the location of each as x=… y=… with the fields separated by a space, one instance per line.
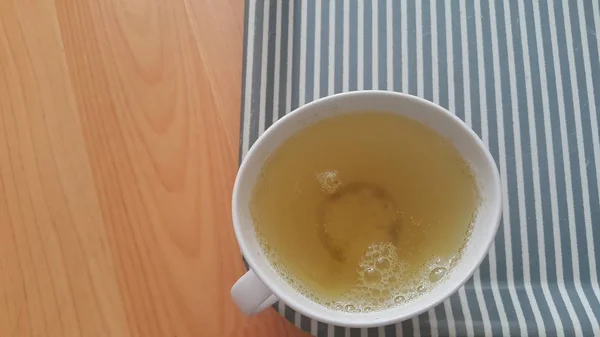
x=119 y=126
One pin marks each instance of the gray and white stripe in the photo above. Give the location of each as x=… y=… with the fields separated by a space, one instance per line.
x=524 y=74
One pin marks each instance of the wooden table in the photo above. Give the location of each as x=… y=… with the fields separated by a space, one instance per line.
x=119 y=124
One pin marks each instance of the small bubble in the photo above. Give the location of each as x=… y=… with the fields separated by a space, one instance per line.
x=350 y=308
x=421 y=288
x=437 y=274
x=399 y=299
x=372 y=276
x=382 y=263
x=367 y=309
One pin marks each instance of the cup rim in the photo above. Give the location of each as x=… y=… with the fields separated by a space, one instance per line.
x=495 y=213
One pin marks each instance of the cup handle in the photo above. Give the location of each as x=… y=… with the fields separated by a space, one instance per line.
x=251 y=295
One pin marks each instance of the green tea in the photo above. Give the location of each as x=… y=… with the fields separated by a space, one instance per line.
x=364 y=211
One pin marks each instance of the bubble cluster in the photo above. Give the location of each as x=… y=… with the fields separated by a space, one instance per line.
x=384 y=280
x=329 y=181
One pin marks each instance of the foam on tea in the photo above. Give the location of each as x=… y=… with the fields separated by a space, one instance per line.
x=364 y=211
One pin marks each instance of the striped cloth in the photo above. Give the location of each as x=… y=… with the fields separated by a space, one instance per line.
x=525 y=75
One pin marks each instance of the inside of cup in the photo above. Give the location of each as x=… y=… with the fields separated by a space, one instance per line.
x=465 y=141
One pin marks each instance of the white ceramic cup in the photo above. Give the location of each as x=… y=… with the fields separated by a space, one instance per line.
x=261 y=286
